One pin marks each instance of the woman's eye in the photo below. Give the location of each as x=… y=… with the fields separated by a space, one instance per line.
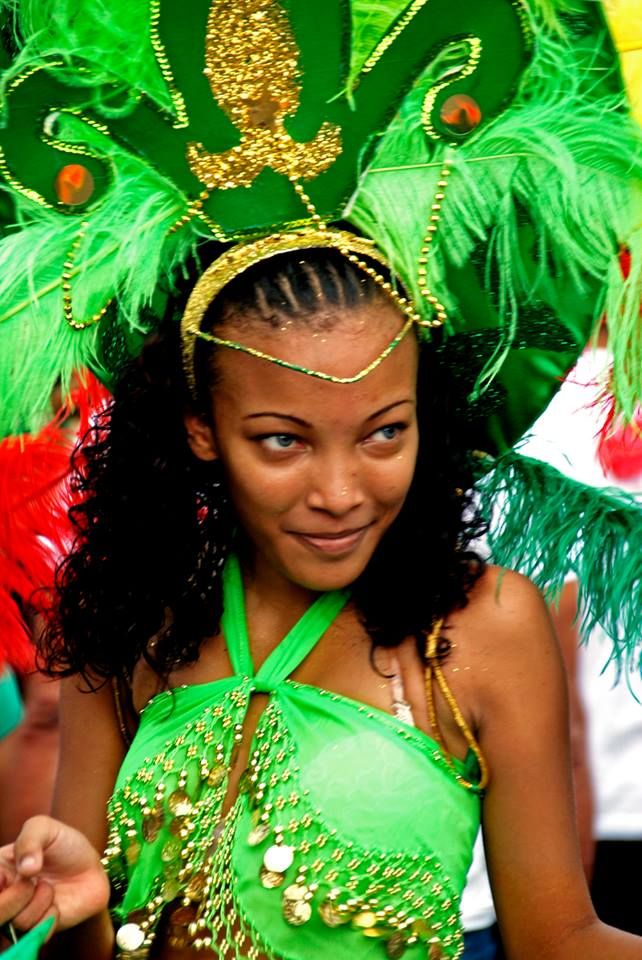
x=279 y=441
x=390 y=432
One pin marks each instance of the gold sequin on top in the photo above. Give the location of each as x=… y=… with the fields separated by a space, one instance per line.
x=252 y=65
x=350 y=836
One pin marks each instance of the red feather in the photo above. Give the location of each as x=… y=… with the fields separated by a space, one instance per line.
x=35 y=531
x=619 y=446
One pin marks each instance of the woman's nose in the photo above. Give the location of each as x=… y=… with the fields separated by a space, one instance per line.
x=335 y=486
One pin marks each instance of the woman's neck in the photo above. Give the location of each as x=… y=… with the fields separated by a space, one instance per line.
x=273 y=604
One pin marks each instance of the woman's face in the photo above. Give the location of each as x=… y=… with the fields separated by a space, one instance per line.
x=317 y=471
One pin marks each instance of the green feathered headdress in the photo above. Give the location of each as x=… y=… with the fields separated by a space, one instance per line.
x=486 y=148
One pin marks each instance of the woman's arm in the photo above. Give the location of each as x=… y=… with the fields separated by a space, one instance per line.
x=29 y=757
x=91 y=753
x=542 y=900
x=565 y=620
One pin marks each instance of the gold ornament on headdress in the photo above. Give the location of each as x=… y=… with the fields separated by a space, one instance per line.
x=252 y=67
x=357 y=250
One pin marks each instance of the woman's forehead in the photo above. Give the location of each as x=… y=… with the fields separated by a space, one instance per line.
x=337 y=341
x=248 y=383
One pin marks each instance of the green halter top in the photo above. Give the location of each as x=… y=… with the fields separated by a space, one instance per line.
x=350 y=837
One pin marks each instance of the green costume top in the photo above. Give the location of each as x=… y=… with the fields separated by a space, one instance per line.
x=351 y=835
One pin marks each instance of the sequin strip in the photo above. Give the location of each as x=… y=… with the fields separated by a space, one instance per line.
x=429 y=101
x=5 y=171
x=390 y=38
x=66 y=286
x=182 y=119
x=440 y=315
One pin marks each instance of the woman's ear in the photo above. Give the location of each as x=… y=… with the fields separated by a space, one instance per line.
x=200 y=437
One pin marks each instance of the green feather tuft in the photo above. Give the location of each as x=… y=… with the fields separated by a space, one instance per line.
x=127 y=250
x=113 y=37
x=547 y=526
x=564 y=158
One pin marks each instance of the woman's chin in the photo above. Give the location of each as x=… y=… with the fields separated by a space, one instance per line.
x=322 y=571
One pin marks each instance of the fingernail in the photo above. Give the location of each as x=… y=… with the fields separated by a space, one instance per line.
x=27 y=863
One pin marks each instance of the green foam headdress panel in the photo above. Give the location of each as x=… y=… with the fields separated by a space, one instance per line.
x=260 y=94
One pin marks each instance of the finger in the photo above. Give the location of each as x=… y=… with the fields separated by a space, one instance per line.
x=7 y=854
x=53 y=912
x=14 y=899
x=36 y=835
x=7 y=875
x=40 y=903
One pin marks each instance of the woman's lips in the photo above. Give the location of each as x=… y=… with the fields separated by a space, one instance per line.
x=333 y=543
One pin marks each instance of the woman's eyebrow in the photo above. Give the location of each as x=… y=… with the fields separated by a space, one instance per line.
x=279 y=416
x=390 y=406
x=304 y=423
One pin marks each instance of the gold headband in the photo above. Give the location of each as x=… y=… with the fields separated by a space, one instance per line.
x=243 y=256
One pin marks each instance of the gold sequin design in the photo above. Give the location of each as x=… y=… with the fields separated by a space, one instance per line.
x=174 y=802
x=68 y=271
x=252 y=67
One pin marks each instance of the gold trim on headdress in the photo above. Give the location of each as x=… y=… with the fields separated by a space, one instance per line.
x=357 y=250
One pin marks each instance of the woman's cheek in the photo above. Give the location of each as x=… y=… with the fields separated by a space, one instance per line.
x=268 y=492
x=391 y=486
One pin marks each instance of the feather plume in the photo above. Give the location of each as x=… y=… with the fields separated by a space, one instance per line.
x=35 y=532
x=546 y=525
x=128 y=250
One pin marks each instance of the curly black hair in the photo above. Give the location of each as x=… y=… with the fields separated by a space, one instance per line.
x=155 y=524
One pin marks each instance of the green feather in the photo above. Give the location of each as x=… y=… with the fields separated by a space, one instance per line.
x=127 y=250
x=547 y=526
x=113 y=36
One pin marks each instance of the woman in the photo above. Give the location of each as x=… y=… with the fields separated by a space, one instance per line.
x=273 y=590
x=272 y=804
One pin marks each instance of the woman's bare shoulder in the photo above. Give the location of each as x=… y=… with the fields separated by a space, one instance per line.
x=502 y=599
x=505 y=629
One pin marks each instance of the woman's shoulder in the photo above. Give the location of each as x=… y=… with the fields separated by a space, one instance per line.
x=506 y=623
x=504 y=653
x=503 y=598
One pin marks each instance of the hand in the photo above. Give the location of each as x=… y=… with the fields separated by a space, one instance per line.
x=18 y=895
x=50 y=855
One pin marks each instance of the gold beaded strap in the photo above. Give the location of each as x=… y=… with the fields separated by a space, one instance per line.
x=433 y=669
x=358 y=250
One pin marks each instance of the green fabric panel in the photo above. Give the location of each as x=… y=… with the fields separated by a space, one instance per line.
x=294 y=647
x=28 y=947
x=11 y=711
